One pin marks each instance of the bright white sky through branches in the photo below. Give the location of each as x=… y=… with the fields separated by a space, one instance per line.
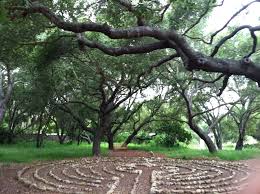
x=220 y=15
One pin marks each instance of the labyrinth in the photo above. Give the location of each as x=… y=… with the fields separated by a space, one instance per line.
x=135 y=175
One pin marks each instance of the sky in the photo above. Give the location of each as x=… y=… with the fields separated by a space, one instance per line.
x=221 y=15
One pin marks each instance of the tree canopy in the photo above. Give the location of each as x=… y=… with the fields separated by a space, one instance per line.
x=84 y=68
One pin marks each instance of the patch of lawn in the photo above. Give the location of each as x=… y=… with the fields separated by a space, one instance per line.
x=188 y=153
x=27 y=152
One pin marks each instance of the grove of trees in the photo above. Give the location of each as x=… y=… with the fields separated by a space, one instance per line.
x=120 y=69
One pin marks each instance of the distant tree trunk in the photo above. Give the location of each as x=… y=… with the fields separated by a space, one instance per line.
x=110 y=139
x=188 y=100
x=219 y=144
x=240 y=143
x=242 y=130
x=130 y=138
x=62 y=137
x=38 y=137
x=145 y=122
x=60 y=133
x=241 y=137
x=96 y=150
x=41 y=131
x=79 y=138
x=209 y=143
x=5 y=97
x=218 y=136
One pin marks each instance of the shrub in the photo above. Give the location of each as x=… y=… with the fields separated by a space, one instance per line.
x=170 y=134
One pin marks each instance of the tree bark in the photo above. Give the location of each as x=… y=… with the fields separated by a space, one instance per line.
x=110 y=140
x=219 y=144
x=40 y=132
x=209 y=143
x=39 y=139
x=240 y=143
x=241 y=137
x=96 y=149
x=242 y=130
x=192 y=59
x=218 y=137
x=104 y=126
x=130 y=138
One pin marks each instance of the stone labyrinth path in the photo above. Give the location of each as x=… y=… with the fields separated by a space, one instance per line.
x=135 y=175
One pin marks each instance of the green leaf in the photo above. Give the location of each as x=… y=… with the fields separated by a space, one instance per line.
x=3 y=13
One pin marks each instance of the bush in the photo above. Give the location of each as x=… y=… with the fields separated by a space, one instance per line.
x=252 y=146
x=171 y=134
x=121 y=137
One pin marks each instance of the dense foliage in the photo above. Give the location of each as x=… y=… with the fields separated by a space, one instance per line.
x=119 y=70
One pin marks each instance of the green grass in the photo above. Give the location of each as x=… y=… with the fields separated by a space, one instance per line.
x=27 y=152
x=188 y=153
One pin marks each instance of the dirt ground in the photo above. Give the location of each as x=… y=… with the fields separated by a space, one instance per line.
x=9 y=183
x=254 y=179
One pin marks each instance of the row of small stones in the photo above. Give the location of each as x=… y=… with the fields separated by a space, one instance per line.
x=200 y=189
x=221 y=181
x=158 y=160
x=52 y=186
x=187 y=189
x=196 y=182
x=188 y=185
x=27 y=182
x=243 y=169
x=130 y=169
x=60 y=188
x=86 y=182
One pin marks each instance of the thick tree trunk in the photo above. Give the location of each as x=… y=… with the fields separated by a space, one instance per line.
x=62 y=139
x=104 y=126
x=39 y=139
x=130 y=138
x=110 y=140
x=242 y=132
x=79 y=140
x=61 y=136
x=240 y=143
x=96 y=149
x=209 y=143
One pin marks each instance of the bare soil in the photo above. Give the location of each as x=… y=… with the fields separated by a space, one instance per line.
x=9 y=183
x=253 y=186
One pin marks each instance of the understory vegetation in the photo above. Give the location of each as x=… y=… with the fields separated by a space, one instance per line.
x=26 y=152
x=151 y=75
